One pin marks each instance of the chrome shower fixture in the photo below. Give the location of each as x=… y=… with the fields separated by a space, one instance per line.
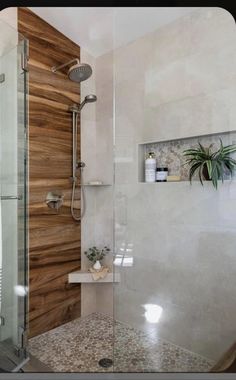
x=2 y=78
x=76 y=109
x=54 y=200
x=91 y=98
x=77 y=72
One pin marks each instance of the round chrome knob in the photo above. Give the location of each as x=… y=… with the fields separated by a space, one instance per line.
x=80 y=164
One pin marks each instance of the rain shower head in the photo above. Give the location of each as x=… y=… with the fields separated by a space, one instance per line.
x=78 y=72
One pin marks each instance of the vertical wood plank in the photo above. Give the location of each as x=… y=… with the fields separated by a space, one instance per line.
x=54 y=238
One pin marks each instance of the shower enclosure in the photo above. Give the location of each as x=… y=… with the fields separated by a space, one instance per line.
x=168 y=303
x=13 y=196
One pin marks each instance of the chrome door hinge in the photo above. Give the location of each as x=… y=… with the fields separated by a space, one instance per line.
x=2 y=78
x=23 y=337
x=24 y=61
x=21 y=348
x=2 y=320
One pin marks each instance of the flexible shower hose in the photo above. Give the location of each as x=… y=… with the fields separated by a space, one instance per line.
x=83 y=203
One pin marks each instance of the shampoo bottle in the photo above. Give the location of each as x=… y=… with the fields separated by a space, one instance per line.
x=150 y=167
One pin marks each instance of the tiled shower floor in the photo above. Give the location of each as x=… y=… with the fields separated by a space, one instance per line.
x=79 y=345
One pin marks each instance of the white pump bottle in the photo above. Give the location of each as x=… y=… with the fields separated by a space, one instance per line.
x=150 y=167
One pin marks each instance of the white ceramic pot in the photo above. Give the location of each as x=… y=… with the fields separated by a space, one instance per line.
x=97 y=265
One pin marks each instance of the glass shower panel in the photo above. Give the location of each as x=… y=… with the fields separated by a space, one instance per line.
x=174 y=243
x=13 y=245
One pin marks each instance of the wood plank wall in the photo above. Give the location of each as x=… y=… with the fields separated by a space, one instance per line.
x=54 y=238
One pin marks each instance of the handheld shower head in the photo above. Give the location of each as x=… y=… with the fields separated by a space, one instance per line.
x=91 y=98
x=88 y=99
x=78 y=107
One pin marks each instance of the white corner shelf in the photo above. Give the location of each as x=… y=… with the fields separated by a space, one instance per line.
x=97 y=184
x=160 y=183
x=86 y=277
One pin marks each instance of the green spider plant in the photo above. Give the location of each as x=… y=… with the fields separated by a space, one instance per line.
x=208 y=164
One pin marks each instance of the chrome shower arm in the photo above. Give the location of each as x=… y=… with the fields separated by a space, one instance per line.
x=56 y=68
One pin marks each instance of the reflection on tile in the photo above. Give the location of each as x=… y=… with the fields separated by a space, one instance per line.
x=79 y=345
x=184 y=261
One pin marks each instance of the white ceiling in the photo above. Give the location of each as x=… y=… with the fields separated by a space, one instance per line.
x=101 y=29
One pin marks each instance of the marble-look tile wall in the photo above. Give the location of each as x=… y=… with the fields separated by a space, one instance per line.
x=181 y=237
x=97 y=153
x=88 y=155
x=8 y=29
x=9 y=16
x=190 y=76
x=104 y=149
x=177 y=82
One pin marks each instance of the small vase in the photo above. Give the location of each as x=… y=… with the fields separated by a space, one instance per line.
x=97 y=265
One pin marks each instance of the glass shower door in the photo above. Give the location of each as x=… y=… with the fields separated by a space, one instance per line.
x=174 y=242
x=13 y=237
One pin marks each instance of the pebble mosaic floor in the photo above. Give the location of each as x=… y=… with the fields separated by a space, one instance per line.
x=79 y=345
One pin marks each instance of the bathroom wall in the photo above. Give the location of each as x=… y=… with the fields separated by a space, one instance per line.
x=104 y=171
x=97 y=153
x=9 y=15
x=177 y=82
x=54 y=238
x=88 y=155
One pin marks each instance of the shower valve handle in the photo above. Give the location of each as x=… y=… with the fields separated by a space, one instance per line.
x=80 y=165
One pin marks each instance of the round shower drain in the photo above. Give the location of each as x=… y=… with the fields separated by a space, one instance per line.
x=105 y=362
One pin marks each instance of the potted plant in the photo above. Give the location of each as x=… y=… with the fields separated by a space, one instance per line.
x=95 y=255
x=210 y=165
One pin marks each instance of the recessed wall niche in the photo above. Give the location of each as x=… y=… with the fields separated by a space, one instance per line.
x=170 y=153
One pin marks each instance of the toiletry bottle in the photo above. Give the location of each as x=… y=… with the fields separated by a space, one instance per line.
x=150 y=167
